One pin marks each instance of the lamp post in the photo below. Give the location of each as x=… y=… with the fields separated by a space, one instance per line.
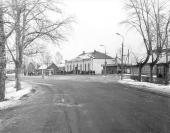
x=122 y=55
x=104 y=59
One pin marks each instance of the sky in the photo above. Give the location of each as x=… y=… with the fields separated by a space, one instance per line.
x=97 y=22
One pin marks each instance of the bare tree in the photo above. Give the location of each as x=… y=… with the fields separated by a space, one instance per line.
x=46 y=59
x=58 y=58
x=2 y=57
x=33 y=24
x=160 y=24
x=167 y=63
x=148 y=18
x=3 y=38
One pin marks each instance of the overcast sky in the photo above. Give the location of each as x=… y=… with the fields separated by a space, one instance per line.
x=98 y=21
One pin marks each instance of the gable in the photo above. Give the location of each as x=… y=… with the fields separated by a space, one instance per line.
x=52 y=66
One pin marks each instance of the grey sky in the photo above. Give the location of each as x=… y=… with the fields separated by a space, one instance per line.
x=97 y=23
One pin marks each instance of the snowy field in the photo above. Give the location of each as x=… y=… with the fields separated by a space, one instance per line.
x=12 y=96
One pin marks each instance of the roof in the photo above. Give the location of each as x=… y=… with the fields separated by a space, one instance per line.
x=95 y=55
x=52 y=66
x=43 y=67
x=99 y=55
x=61 y=65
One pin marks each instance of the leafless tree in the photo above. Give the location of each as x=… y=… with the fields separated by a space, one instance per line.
x=148 y=18
x=3 y=38
x=58 y=58
x=46 y=59
x=32 y=24
x=160 y=24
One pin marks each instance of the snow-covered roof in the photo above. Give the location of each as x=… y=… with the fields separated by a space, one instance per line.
x=95 y=55
x=43 y=67
x=61 y=65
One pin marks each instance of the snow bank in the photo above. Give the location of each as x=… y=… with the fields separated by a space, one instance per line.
x=151 y=86
x=13 y=97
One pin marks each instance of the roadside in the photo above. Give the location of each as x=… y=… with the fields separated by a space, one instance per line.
x=13 y=97
x=151 y=87
x=155 y=88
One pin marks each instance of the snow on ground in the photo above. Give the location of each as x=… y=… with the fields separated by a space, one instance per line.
x=150 y=86
x=13 y=97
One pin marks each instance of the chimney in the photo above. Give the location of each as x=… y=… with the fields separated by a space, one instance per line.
x=84 y=52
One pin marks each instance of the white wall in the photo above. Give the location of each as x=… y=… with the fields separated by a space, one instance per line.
x=97 y=64
x=81 y=62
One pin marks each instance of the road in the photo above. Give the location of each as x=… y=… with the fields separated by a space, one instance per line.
x=78 y=106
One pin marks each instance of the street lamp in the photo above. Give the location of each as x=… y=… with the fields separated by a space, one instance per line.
x=122 y=55
x=104 y=59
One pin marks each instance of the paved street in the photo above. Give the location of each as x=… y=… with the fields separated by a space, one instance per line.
x=76 y=106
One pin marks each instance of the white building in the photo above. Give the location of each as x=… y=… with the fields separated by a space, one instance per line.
x=87 y=62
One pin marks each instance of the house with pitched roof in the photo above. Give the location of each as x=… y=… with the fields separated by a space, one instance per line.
x=87 y=63
x=52 y=69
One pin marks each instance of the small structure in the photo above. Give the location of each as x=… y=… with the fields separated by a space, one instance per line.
x=52 y=69
x=145 y=69
x=42 y=70
x=61 y=68
x=111 y=68
x=162 y=67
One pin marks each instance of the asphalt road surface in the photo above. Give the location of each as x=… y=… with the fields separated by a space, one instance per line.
x=77 y=106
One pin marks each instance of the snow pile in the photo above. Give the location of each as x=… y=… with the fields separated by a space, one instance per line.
x=150 y=86
x=13 y=97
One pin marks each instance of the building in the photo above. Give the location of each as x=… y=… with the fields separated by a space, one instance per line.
x=31 y=70
x=61 y=68
x=52 y=69
x=163 y=65
x=87 y=63
x=42 y=70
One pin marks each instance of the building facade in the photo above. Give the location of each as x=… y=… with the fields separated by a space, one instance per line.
x=87 y=63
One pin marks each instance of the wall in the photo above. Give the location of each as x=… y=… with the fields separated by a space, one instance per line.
x=94 y=65
x=97 y=64
x=83 y=65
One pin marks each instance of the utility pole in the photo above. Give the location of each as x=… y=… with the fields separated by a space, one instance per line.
x=105 y=63
x=116 y=64
x=122 y=55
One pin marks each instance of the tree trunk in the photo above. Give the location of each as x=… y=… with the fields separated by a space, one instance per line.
x=17 y=76
x=2 y=57
x=151 y=73
x=167 y=73
x=140 y=73
x=18 y=62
